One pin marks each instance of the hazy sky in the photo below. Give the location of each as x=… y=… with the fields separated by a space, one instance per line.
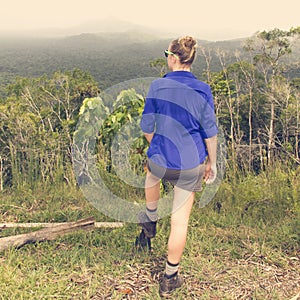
x=208 y=19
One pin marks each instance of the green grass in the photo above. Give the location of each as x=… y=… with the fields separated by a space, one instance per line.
x=243 y=245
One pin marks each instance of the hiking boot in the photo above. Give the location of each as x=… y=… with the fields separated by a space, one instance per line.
x=148 y=226
x=142 y=243
x=168 y=285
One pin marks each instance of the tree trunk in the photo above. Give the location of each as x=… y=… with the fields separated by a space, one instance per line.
x=250 y=130
x=1 y=173
x=297 y=131
x=271 y=134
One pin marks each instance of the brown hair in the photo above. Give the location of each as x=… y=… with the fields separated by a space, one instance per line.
x=185 y=48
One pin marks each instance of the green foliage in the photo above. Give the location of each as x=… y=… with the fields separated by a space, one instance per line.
x=251 y=230
x=269 y=201
x=220 y=85
x=159 y=65
x=259 y=113
x=272 y=46
x=91 y=113
x=121 y=125
x=37 y=125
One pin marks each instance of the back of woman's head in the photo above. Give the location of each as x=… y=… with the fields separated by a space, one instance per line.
x=185 y=48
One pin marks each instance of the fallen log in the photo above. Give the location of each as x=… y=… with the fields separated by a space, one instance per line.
x=43 y=225
x=45 y=234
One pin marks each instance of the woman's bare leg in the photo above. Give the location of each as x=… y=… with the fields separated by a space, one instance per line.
x=182 y=206
x=152 y=191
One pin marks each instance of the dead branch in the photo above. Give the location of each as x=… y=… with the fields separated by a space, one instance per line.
x=45 y=234
x=47 y=225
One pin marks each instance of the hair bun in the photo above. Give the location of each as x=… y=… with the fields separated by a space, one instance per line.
x=188 y=42
x=185 y=49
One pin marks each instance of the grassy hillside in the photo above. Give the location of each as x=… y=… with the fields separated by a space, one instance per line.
x=243 y=245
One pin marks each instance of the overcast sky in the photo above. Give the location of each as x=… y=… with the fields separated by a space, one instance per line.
x=208 y=19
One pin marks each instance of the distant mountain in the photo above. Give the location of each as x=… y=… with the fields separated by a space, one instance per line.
x=102 y=26
x=121 y=38
x=113 y=25
x=114 y=52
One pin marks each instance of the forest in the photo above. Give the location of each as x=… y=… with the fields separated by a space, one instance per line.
x=49 y=86
x=255 y=87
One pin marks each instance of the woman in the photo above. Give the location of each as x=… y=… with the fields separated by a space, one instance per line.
x=180 y=125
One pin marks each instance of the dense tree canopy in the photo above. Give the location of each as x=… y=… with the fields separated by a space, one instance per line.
x=256 y=101
x=37 y=123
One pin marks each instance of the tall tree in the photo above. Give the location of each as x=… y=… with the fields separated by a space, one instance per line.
x=268 y=48
x=37 y=122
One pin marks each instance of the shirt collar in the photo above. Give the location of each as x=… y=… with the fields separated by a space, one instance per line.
x=179 y=74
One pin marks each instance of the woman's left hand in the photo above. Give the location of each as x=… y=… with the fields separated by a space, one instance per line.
x=210 y=173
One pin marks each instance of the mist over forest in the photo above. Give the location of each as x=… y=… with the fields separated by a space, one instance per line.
x=111 y=57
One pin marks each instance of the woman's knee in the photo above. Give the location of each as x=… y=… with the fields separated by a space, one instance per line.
x=151 y=180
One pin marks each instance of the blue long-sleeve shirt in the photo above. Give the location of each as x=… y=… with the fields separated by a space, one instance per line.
x=179 y=110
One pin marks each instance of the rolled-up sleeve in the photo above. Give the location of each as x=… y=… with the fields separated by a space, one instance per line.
x=209 y=127
x=147 y=123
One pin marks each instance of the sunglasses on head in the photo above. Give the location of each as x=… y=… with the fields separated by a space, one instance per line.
x=167 y=53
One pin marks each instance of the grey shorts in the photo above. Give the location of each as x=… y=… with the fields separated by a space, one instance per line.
x=190 y=180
